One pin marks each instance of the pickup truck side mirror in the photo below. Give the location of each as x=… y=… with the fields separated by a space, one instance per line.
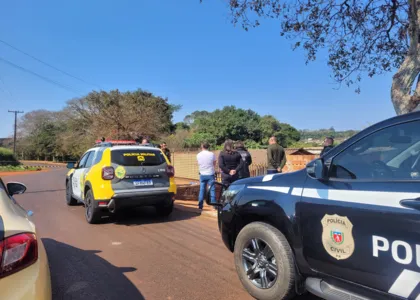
x=16 y=188
x=214 y=193
x=316 y=169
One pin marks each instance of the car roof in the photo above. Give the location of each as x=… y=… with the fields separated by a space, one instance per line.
x=129 y=147
x=139 y=147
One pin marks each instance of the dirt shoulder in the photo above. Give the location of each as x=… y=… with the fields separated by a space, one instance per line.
x=10 y=173
x=42 y=162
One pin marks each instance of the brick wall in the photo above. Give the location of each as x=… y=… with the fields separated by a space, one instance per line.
x=186 y=163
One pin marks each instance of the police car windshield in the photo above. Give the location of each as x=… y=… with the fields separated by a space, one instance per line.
x=388 y=146
x=137 y=157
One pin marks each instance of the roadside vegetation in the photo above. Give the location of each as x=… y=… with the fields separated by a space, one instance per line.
x=20 y=168
x=7 y=158
x=64 y=135
x=9 y=163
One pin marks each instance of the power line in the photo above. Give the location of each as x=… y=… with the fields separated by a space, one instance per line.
x=47 y=64
x=69 y=88
x=5 y=88
x=16 y=112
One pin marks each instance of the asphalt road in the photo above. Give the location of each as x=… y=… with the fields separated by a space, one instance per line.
x=140 y=256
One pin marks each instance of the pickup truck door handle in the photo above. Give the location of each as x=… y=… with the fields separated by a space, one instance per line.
x=411 y=203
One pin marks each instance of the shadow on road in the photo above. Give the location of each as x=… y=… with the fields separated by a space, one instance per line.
x=147 y=215
x=45 y=191
x=81 y=274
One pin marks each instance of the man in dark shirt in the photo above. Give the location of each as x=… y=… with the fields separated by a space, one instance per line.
x=328 y=145
x=276 y=157
x=166 y=151
x=230 y=162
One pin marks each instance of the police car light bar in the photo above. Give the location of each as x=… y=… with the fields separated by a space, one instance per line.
x=115 y=142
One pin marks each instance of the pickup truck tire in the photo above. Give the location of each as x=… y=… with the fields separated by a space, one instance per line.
x=69 y=194
x=266 y=273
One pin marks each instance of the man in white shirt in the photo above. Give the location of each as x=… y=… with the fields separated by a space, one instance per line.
x=206 y=165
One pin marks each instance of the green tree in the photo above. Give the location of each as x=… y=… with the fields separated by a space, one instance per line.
x=229 y=122
x=285 y=133
x=195 y=140
x=239 y=124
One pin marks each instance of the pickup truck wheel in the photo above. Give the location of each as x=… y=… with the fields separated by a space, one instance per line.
x=69 y=194
x=264 y=262
x=92 y=214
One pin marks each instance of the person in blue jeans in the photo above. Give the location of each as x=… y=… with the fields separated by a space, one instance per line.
x=206 y=166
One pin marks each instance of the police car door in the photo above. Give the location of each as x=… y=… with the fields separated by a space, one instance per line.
x=362 y=223
x=77 y=175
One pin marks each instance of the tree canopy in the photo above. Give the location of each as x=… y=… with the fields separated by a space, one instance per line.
x=361 y=37
x=239 y=125
x=115 y=115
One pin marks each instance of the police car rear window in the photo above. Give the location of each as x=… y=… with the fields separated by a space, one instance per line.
x=137 y=157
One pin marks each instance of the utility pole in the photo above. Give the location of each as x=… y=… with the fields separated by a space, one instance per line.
x=16 y=112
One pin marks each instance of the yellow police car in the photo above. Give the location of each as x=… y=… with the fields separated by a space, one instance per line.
x=115 y=175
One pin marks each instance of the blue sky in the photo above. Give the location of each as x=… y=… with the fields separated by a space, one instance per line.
x=183 y=50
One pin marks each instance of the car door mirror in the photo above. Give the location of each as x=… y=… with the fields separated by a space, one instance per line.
x=71 y=165
x=214 y=193
x=316 y=169
x=15 y=188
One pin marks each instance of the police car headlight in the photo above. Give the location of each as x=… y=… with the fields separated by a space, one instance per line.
x=231 y=192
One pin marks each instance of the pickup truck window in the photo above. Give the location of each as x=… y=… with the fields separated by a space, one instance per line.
x=392 y=153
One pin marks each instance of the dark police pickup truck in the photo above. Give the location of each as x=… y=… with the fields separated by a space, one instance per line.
x=346 y=227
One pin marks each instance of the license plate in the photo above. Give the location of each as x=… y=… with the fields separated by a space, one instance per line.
x=146 y=182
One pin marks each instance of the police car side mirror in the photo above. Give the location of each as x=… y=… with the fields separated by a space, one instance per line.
x=71 y=165
x=214 y=193
x=316 y=169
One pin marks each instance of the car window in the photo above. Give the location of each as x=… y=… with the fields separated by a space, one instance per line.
x=98 y=156
x=83 y=160
x=392 y=153
x=89 y=161
x=137 y=157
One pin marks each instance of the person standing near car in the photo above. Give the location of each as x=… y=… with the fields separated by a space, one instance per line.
x=230 y=162
x=166 y=151
x=246 y=158
x=276 y=157
x=328 y=145
x=206 y=166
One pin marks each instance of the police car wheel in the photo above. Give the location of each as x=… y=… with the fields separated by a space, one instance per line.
x=165 y=210
x=69 y=194
x=92 y=214
x=264 y=262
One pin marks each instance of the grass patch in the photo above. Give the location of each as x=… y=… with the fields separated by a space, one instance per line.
x=6 y=156
x=18 y=168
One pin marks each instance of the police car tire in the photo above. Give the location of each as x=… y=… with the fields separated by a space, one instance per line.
x=96 y=214
x=284 y=287
x=165 y=210
x=69 y=194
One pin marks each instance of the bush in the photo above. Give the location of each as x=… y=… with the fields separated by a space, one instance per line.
x=6 y=155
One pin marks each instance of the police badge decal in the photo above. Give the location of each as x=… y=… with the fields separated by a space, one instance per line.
x=337 y=236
